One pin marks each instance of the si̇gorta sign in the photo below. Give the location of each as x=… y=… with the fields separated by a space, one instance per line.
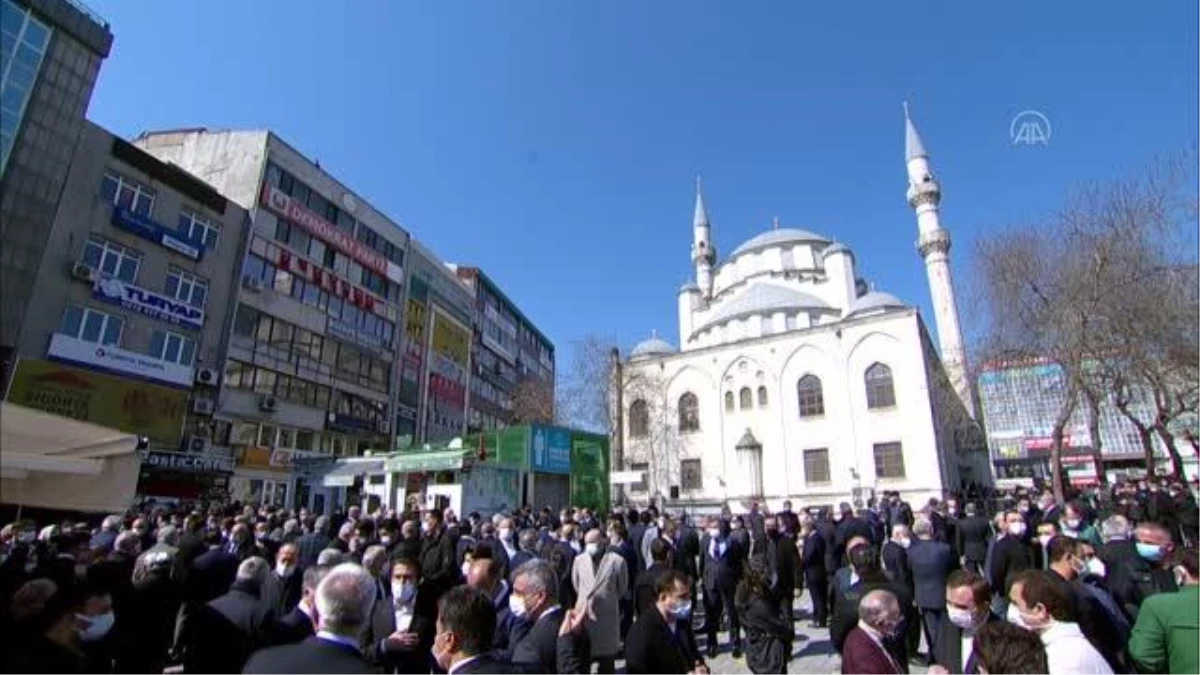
x=153 y=305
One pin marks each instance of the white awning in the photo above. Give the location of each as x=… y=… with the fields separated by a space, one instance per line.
x=56 y=462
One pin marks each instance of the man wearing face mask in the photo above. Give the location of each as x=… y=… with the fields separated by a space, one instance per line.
x=400 y=633
x=1164 y=638
x=968 y=608
x=601 y=580
x=1010 y=555
x=288 y=579
x=816 y=577
x=1133 y=579
x=721 y=561
x=1040 y=601
x=439 y=567
x=298 y=624
x=1108 y=634
x=662 y=641
x=783 y=564
x=537 y=617
x=879 y=618
x=96 y=619
x=1073 y=525
x=483 y=575
x=895 y=557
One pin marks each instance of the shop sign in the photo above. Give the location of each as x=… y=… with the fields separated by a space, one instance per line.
x=446 y=460
x=272 y=459
x=107 y=357
x=182 y=461
x=339 y=422
x=160 y=234
x=153 y=305
x=343 y=331
x=550 y=450
x=120 y=403
x=1045 y=442
x=279 y=203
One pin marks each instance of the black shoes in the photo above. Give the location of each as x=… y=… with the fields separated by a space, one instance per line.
x=712 y=651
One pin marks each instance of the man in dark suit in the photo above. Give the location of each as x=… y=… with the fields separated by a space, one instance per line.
x=297 y=624
x=538 y=616
x=816 y=576
x=645 y=590
x=1010 y=555
x=637 y=530
x=662 y=640
x=848 y=527
x=311 y=544
x=931 y=563
x=226 y=631
x=618 y=539
x=409 y=544
x=484 y=574
x=526 y=550
x=288 y=579
x=438 y=567
x=561 y=555
x=344 y=600
x=879 y=612
x=721 y=562
x=400 y=632
x=1109 y=634
x=492 y=543
x=968 y=607
x=971 y=538
x=783 y=564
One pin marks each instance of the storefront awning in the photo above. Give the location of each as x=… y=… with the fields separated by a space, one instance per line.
x=343 y=474
x=55 y=462
x=443 y=460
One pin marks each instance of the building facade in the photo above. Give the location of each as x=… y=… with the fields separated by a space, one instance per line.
x=796 y=381
x=310 y=373
x=50 y=54
x=508 y=349
x=130 y=309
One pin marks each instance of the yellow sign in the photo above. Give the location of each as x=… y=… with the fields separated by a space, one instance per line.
x=127 y=405
x=450 y=340
x=414 y=320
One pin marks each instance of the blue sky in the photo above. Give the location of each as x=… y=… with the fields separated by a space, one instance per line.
x=554 y=143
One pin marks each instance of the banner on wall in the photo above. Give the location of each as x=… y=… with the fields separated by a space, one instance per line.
x=446 y=386
x=415 y=322
x=550 y=450
x=590 y=485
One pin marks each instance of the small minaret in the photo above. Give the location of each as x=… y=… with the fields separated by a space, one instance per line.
x=933 y=242
x=704 y=254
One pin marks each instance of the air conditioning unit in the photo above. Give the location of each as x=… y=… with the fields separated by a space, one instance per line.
x=253 y=284
x=203 y=406
x=83 y=272
x=266 y=403
x=206 y=376
x=197 y=443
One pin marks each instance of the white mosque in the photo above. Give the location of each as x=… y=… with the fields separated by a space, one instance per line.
x=796 y=380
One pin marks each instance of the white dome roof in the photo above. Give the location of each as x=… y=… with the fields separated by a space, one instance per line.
x=762 y=298
x=874 y=300
x=778 y=237
x=655 y=346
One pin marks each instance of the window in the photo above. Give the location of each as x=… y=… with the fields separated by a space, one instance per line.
x=816 y=465
x=91 y=326
x=198 y=228
x=24 y=45
x=729 y=401
x=238 y=375
x=112 y=259
x=305 y=440
x=245 y=321
x=127 y=193
x=689 y=412
x=889 y=460
x=287 y=438
x=187 y=288
x=762 y=397
x=639 y=420
x=812 y=398
x=690 y=476
x=880 y=393
x=745 y=398
x=264 y=381
x=266 y=435
x=642 y=469
x=172 y=347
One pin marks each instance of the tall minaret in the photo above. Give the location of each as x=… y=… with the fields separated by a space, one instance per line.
x=933 y=242
x=704 y=254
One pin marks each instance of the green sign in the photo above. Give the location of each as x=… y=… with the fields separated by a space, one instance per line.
x=507 y=448
x=443 y=460
x=589 y=471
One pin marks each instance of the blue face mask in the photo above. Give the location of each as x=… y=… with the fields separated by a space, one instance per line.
x=1150 y=551
x=682 y=610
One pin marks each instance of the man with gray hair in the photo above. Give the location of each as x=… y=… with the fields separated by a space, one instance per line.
x=330 y=557
x=313 y=543
x=879 y=621
x=375 y=561
x=1114 y=528
x=930 y=562
x=227 y=630
x=344 y=600
x=534 y=598
x=104 y=539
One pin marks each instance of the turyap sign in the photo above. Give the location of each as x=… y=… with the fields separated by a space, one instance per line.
x=112 y=359
x=154 y=305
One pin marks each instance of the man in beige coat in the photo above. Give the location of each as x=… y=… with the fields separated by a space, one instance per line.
x=601 y=580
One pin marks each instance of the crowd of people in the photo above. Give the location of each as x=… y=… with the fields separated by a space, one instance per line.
x=1019 y=582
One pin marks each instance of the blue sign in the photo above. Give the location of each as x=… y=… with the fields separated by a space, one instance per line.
x=154 y=305
x=148 y=229
x=346 y=423
x=550 y=450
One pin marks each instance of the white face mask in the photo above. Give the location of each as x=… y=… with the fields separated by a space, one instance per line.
x=1016 y=529
x=506 y=534
x=284 y=570
x=962 y=618
x=466 y=567
x=1096 y=566
x=516 y=605
x=593 y=549
x=905 y=542
x=1072 y=524
x=1044 y=539
x=98 y=626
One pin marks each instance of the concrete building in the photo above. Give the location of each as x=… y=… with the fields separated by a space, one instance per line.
x=508 y=349
x=130 y=308
x=310 y=370
x=51 y=54
x=794 y=380
x=434 y=380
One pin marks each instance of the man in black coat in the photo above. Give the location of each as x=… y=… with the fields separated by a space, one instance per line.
x=783 y=564
x=848 y=527
x=645 y=589
x=288 y=579
x=971 y=537
x=721 y=562
x=1132 y=577
x=865 y=562
x=402 y=647
x=297 y=624
x=968 y=604
x=1094 y=621
x=637 y=530
x=311 y=544
x=895 y=557
x=662 y=640
x=439 y=568
x=1010 y=554
x=816 y=576
x=539 y=617
x=931 y=563
x=344 y=600
x=226 y=631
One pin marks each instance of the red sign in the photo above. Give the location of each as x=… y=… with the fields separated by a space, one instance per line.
x=284 y=206
x=327 y=282
x=1044 y=442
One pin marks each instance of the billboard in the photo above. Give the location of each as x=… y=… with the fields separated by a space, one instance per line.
x=589 y=471
x=132 y=406
x=550 y=450
x=416 y=322
x=446 y=388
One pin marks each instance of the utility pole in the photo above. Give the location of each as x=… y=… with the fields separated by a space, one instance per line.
x=617 y=400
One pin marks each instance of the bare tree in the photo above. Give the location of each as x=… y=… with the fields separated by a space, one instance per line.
x=533 y=401
x=1086 y=289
